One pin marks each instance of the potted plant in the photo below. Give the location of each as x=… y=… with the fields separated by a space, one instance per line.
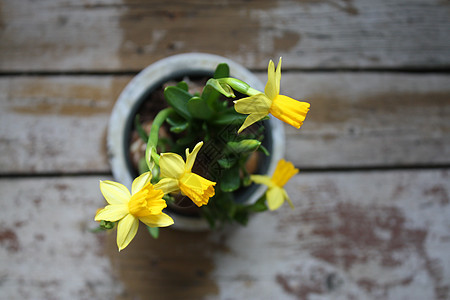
x=214 y=149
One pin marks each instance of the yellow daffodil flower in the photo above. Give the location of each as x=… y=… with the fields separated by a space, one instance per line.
x=145 y=203
x=176 y=175
x=282 y=107
x=276 y=194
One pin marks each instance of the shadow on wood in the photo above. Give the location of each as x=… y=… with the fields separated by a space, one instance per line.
x=176 y=265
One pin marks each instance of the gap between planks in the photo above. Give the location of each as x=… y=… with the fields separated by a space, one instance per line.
x=412 y=168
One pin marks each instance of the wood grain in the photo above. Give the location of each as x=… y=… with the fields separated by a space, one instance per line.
x=352 y=235
x=46 y=248
x=116 y=35
x=58 y=124
x=359 y=233
x=365 y=120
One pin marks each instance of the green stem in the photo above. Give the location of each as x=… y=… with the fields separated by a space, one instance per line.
x=154 y=137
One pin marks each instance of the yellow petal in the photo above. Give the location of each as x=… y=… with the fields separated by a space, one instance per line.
x=190 y=157
x=250 y=120
x=112 y=213
x=258 y=103
x=140 y=182
x=275 y=198
x=283 y=172
x=126 y=231
x=114 y=192
x=197 y=188
x=289 y=110
x=172 y=165
x=167 y=185
x=160 y=220
x=278 y=77
x=271 y=85
x=262 y=179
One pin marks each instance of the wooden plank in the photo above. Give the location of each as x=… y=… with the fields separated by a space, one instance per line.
x=46 y=248
x=364 y=120
x=352 y=235
x=58 y=124
x=116 y=35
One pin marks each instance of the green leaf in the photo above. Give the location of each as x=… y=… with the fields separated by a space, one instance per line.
x=241 y=216
x=244 y=146
x=178 y=99
x=210 y=94
x=229 y=118
x=259 y=205
x=142 y=166
x=208 y=215
x=222 y=71
x=177 y=124
x=231 y=209
x=230 y=180
x=154 y=231
x=183 y=85
x=188 y=139
x=227 y=162
x=180 y=128
x=140 y=130
x=198 y=108
x=264 y=150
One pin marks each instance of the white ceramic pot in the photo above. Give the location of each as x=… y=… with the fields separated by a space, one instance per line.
x=150 y=79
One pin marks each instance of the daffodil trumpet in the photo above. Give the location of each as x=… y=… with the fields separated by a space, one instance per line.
x=276 y=194
x=177 y=176
x=259 y=104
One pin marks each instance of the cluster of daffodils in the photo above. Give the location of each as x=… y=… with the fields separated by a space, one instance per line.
x=172 y=175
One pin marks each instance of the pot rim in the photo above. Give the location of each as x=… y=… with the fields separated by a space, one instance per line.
x=152 y=77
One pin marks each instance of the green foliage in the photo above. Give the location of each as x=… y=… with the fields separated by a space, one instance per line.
x=230 y=117
x=142 y=166
x=178 y=99
x=198 y=108
x=142 y=134
x=177 y=124
x=183 y=85
x=244 y=146
x=230 y=180
x=154 y=231
x=222 y=71
x=210 y=117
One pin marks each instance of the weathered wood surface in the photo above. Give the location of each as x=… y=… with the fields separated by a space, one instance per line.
x=114 y=35
x=58 y=124
x=361 y=234
x=357 y=235
x=371 y=120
